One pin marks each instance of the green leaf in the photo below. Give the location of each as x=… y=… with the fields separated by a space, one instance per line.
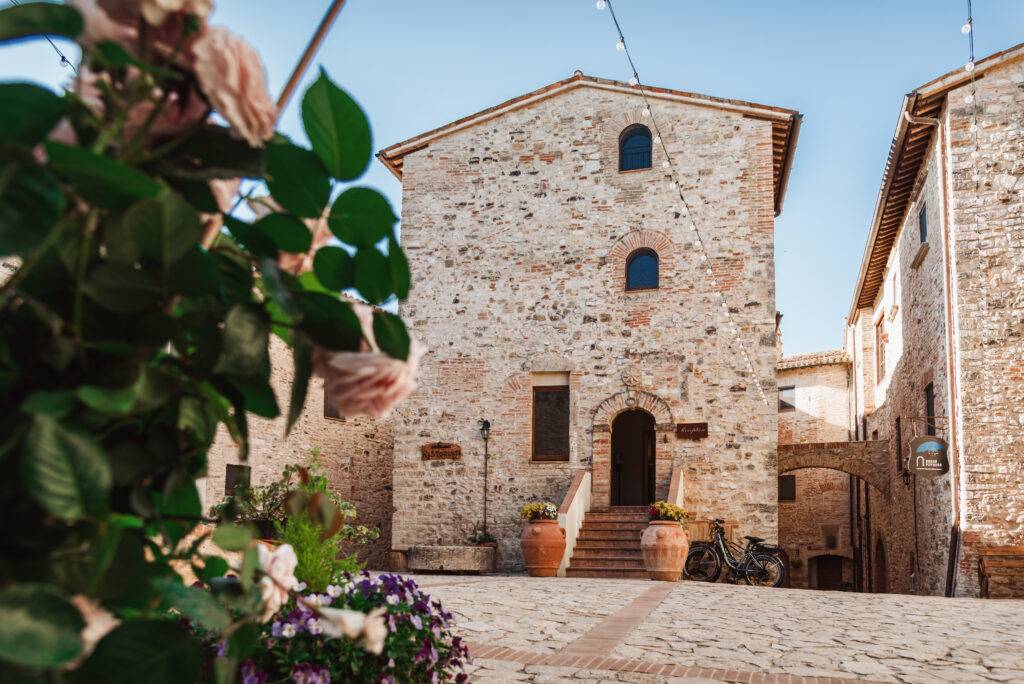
x=112 y=400
x=197 y=192
x=259 y=398
x=58 y=403
x=151 y=389
x=39 y=19
x=246 y=336
x=231 y=537
x=27 y=113
x=113 y=55
x=213 y=152
x=38 y=626
x=390 y=333
x=30 y=204
x=214 y=567
x=337 y=128
x=334 y=268
x=400 y=278
x=243 y=642
x=195 y=603
x=65 y=470
x=329 y=321
x=165 y=228
x=362 y=217
x=100 y=179
x=373 y=275
x=151 y=651
x=122 y=289
x=302 y=357
x=297 y=180
x=288 y=233
x=251 y=237
x=195 y=274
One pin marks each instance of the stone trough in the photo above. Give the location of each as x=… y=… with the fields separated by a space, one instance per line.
x=455 y=559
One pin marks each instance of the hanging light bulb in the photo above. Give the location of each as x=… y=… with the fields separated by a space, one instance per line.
x=665 y=164
x=969 y=67
x=647 y=111
x=966 y=28
x=672 y=184
x=601 y=4
x=621 y=45
x=633 y=81
x=974 y=128
x=657 y=140
x=969 y=99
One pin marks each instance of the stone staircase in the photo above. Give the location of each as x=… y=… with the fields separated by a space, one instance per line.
x=609 y=544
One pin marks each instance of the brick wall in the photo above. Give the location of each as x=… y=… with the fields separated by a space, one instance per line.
x=516 y=230
x=356 y=453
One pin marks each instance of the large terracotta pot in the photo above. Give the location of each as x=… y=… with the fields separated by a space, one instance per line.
x=543 y=544
x=665 y=544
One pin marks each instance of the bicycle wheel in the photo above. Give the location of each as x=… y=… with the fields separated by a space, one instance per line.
x=702 y=564
x=765 y=570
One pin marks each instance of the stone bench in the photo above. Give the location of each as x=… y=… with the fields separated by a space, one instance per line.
x=454 y=559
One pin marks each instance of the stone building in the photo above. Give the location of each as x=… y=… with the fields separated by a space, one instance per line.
x=815 y=504
x=563 y=297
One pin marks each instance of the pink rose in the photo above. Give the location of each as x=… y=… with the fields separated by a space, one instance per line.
x=178 y=114
x=155 y=12
x=100 y=27
x=367 y=382
x=278 y=568
x=98 y=623
x=232 y=77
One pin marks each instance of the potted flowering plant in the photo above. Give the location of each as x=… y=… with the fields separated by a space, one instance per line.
x=665 y=542
x=136 y=310
x=543 y=541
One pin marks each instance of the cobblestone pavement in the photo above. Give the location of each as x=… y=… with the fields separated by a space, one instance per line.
x=574 y=630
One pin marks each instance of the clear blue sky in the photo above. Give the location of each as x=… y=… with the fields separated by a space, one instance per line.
x=415 y=65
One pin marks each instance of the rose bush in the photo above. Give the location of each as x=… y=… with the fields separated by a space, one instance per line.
x=137 y=319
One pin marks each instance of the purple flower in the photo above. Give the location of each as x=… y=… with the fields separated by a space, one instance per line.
x=416 y=621
x=222 y=648
x=251 y=675
x=308 y=673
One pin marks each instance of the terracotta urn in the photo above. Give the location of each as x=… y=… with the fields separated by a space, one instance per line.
x=664 y=545
x=543 y=543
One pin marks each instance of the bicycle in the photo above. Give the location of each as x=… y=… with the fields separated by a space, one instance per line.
x=758 y=564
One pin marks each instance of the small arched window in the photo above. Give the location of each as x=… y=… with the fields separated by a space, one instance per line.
x=635 y=148
x=642 y=270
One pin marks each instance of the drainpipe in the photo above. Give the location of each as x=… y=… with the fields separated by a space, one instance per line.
x=485 y=433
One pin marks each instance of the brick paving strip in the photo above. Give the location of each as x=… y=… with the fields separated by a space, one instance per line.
x=589 y=652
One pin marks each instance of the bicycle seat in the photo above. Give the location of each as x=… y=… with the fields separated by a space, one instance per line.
x=718 y=521
x=753 y=540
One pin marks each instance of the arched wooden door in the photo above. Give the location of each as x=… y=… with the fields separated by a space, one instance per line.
x=633 y=444
x=881 y=577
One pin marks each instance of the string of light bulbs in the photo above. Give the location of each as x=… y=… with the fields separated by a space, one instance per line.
x=971 y=99
x=675 y=185
x=64 y=61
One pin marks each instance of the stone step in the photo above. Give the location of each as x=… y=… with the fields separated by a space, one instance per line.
x=622 y=545
x=638 y=517
x=624 y=535
x=632 y=563
x=613 y=525
x=607 y=573
x=605 y=552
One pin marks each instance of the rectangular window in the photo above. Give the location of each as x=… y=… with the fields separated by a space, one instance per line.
x=235 y=475
x=879 y=350
x=787 y=487
x=551 y=420
x=922 y=222
x=929 y=408
x=787 y=398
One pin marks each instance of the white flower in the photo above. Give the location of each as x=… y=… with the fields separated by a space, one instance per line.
x=392 y=600
x=369 y=628
x=333 y=590
x=278 y=566
x=314 y=627
x=288 y=630
x=299 y=586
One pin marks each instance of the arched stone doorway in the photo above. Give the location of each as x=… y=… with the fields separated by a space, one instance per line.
x=827 y=572
x=881 y=573
x=633 y=458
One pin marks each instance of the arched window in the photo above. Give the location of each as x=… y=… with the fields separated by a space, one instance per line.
x=635 y=148
x=642 y=270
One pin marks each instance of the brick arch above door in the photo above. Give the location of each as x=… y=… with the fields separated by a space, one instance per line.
x=627 y=400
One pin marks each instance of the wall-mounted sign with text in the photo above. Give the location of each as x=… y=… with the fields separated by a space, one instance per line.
x=441 y=451
x=691 y=430
x=928 y=456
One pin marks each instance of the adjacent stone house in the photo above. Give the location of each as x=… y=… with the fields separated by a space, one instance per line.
x=563 y=298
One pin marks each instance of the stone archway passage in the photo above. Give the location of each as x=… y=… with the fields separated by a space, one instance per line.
x=867 y=460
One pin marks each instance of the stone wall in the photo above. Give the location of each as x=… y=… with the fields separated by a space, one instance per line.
x=356 y=454
x=517 y=231
x=822 y=505
x=987 y=226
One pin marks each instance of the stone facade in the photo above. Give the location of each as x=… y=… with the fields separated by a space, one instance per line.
x=817 y=521
x=949 y=315
x=517 y=231
x=356 y=454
